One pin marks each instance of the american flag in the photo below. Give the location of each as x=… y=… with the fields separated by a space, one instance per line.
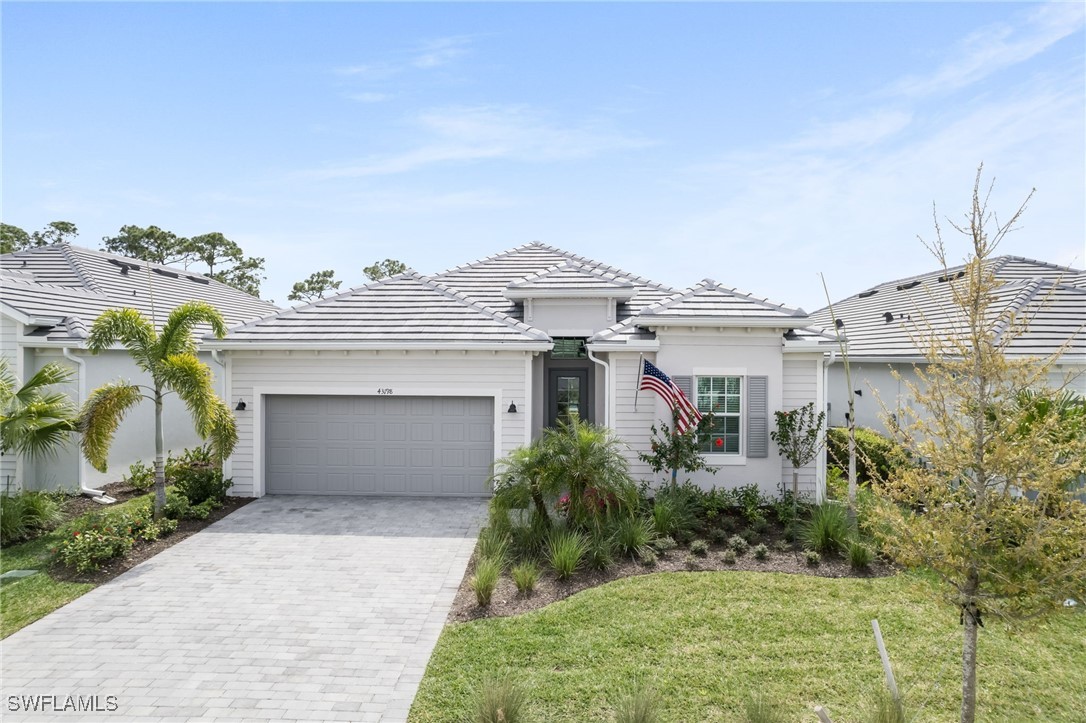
x=687 y=415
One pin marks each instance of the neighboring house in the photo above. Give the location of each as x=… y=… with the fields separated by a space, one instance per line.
x=50 y=297
x=886 y=325
x=416 y=384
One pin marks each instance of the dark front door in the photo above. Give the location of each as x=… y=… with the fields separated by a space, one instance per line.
x=567 y=393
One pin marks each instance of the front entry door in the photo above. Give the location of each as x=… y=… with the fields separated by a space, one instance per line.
x=567 y=391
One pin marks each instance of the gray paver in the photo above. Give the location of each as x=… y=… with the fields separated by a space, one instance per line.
x=292 y=608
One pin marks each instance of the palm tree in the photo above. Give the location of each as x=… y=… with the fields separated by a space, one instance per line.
x=587 y=460
x=169 y=357
x=35 y=420
x=522 y=477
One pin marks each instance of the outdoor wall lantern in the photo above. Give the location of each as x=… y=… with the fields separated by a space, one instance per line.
x=241 y=405
x=512 y=408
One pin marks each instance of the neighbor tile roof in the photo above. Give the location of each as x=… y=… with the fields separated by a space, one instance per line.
x=404 y=310
x=893 y=319
x=73 y=285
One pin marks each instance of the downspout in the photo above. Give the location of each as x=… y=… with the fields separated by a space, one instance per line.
x=822 y=491
x=216 y=355
x=81 y=468
x=606 y=387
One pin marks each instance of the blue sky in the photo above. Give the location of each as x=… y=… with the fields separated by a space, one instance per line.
x=757 y=144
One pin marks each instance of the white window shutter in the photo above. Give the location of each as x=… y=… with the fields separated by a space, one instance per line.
x=758 y=416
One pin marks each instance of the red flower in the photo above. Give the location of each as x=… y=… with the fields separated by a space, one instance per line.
x=76 y=534
x=719 y=442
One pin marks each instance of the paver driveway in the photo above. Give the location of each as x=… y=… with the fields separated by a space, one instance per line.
x=292 y=608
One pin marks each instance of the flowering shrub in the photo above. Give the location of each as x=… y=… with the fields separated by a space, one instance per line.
x=99 y=538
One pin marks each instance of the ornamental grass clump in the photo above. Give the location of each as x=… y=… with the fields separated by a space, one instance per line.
x=525 y=576
x=566 y=553
x=633 y=535
x=640 y=705
x=827 y=532
x=485 y=580
x=859 y=555
x=500 y=701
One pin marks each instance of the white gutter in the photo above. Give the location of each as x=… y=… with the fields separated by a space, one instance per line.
x=81 y=468
x=606 y=386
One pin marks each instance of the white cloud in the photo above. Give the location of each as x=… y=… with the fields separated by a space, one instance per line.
x=993 y=48
x=489 y=132
x=367 y=97
x=442 y=51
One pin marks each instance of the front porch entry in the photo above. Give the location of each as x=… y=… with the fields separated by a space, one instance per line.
x=570 y=385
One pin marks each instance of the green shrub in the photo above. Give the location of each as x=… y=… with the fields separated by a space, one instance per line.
x=671 y=517
x=760 y=552
x=812 y=558
x=827 y=532
x=759 y=524
x=649 y=559
x=719 y=536
x=877 y=457
x=639 y=706
x=749 y=535
x=530 y=541
x=789 y=533
x=566 y=552
x=761 y=710
x=738 y=544
x=633 y=535
x=99 y=538
x=859 y=555
x=485 y=579
x=699 y=548
x=198 y=476
x=690 y=562
x=27 y=514
x=781 y=546
x=784 y=509
x=494 y=545
x=728 y=556
x=525 y=576
x=750 y=501
x=664 y=544
x=177 y=506
x=140 y=477
x=499 y=701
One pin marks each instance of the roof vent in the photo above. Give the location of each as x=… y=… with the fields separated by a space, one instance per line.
x=197 y=279
x=910 y=285
x=949 y=277
x=888 y=316
x=124 y=265
x=164 y=272
x=866 y=294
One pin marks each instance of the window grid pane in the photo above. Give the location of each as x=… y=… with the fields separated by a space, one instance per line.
x=721 y=396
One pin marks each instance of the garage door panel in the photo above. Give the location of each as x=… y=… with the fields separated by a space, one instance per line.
x=378 y=445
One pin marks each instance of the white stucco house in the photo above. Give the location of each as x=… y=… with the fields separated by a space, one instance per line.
x=885 y=325
x=49 y=298
x=415 y=384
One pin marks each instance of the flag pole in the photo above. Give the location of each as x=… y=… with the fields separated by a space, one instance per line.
x=640 y=373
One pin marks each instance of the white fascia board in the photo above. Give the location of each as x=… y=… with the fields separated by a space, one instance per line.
x=521 y=294
x=806 y=346
x=632 y=346
x=346 y=346
x=10 y=311
x=652 y=321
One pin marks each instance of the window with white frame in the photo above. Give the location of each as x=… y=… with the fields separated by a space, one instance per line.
x=722 y=396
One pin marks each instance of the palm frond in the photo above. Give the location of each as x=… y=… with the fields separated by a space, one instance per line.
x=51 y=374
x=102 y=414
x=131 y=329
x=176 y=336
x=190 y=378
x=33 y=420
x=223 y=436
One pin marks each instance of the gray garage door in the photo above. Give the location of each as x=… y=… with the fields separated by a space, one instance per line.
x=378 y=445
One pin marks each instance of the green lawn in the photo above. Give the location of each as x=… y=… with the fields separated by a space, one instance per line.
x=25 y=600
x=708 y=642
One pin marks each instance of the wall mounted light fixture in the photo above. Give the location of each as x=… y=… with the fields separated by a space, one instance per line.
x=241 y=405
x=512 y=408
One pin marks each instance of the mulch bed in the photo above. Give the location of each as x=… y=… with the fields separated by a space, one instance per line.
x=81 y=505
x=507 y=601
x=142 y=550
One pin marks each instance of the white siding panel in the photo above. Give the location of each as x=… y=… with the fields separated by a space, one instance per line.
x=501 y=375
x=632 y=421
x=800 y=386
x=9 y=350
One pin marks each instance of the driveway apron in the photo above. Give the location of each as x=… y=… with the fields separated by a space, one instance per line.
x=294 y=608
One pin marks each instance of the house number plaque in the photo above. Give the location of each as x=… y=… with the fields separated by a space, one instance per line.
x=384 y=390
